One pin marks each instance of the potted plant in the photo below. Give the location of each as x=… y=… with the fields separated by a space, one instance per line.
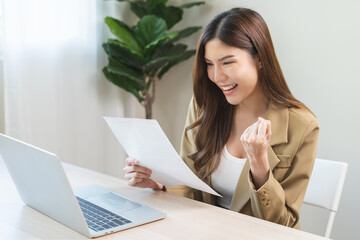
x=140 y=55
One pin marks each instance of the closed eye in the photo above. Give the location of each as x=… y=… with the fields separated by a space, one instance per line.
x=209 y=64
x=227 y=63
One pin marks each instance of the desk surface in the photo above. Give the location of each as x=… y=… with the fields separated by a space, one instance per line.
x=186 y=218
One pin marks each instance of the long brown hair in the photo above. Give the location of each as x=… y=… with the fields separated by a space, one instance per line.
x=245 y=29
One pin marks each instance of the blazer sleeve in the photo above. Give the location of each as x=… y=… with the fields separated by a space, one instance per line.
x=188 y=147
x=281 y=202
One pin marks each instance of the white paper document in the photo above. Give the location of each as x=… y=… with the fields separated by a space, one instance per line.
x=144 y=140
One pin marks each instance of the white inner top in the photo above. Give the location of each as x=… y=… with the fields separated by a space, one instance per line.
x=224 y=179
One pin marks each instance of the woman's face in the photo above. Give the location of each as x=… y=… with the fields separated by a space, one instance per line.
x=233 y=70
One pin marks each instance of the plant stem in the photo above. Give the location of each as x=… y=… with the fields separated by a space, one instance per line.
x=150 y=99
x=148 y=106
x=153 y=90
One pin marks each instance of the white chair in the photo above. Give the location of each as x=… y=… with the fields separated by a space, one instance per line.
x=325 y=187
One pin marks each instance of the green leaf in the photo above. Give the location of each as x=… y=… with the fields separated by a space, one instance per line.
x=122 y=82
x=170 y=49
x=186 y=55
x=123 y=45
x=189 y=5
x=123 y=70
x=158 y=42
x=168 y=53
x=185 y=33
x=121 y=53
x=149 y=29
x=153 y=3
x=171 y=15
x=123 y=33
x=121 y=23
x=140 y=8
x=157 y=63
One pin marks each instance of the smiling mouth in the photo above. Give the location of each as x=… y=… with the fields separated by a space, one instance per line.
x=228 y=88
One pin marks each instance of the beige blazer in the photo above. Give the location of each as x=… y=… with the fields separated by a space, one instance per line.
x=291 y=157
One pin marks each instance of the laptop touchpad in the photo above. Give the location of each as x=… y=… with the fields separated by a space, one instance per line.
x=114 y=202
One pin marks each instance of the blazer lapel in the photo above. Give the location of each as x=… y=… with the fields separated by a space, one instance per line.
x=279 y=117
x=241 y=194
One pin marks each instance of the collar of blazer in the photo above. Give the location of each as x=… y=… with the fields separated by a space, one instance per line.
x=279 y=117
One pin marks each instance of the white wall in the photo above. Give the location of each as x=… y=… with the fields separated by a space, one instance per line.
x=317 y=44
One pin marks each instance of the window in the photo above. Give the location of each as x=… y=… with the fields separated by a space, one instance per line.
x=1 y=32
x=2 y=111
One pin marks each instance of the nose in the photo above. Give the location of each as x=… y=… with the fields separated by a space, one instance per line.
x=219 y=75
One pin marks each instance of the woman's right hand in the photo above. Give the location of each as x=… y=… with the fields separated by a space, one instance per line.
x=139 y=176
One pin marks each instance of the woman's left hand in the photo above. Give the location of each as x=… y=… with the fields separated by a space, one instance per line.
x=255 y=141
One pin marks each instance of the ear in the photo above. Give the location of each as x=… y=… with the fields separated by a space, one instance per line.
x=258 y=62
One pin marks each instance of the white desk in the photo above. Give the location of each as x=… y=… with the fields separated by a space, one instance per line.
x=186 y=218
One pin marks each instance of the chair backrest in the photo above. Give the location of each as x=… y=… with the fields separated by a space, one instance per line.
x=325 y=187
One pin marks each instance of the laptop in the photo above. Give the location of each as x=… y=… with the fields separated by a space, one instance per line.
x=91 y=210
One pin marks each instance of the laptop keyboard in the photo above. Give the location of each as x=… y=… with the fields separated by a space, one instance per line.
x=98 y=218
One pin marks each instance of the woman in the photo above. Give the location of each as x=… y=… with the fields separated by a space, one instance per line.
x=246 y=135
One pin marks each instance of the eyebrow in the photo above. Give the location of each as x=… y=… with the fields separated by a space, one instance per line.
x=223 y=58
